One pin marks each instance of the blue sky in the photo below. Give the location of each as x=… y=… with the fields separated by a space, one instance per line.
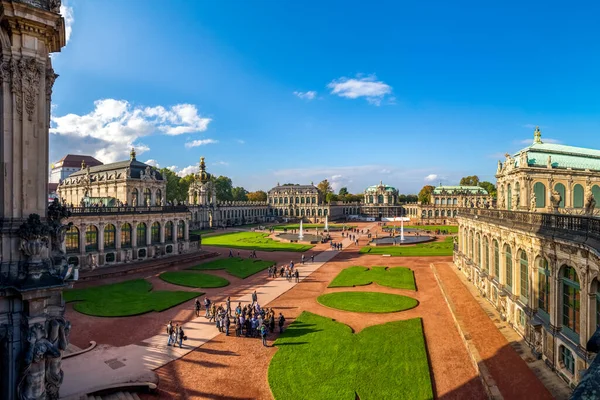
x=409 y=93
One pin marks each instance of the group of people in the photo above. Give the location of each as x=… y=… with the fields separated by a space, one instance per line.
x=288 y=271
x=250 y=320
x=252 y=254
x=175 y=334
x=335 y=245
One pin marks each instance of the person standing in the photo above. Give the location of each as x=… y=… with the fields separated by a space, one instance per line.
x=197 y=307
x=230 y=253
x=254 y=298
x=207 y=306
x=297 y=275
x=312 y=258
x=228 y=304
x=302 y=258
x=281 y=322
x=181 y=336
x=263 y=335
x=170 y=333
x=227 y=323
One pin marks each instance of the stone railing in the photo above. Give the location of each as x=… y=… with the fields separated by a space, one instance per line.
x=78 y=211
x=578 y=228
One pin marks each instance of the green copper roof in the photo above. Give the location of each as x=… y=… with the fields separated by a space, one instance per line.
x=381 y=185
x=459 y=190
x=561 y=156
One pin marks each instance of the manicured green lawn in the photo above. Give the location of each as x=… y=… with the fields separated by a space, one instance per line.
x=124 y=299
x=252 y=241
x=447 y=228
x=444 y=248
x=397 y=277
x=367 y=302
x=193 y=279
x=240 y=267
x=202 y=231
x=333 y=227
x=318 y=358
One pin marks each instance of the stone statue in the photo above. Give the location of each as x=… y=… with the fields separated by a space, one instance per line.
x=180 y=247
x=54 y=6
x=128 y=172
x=590 y=204
x=33 y=381
x=93 y=264
x=555 y=199
x=127 y=256
x=533 y=203
x=523 y=161
x=537 y=342
x=58 y=334
x=142 y=174
x=148 y=173
x=153 y=174
x=134 y=200
x=148 y=202
x=549 y=163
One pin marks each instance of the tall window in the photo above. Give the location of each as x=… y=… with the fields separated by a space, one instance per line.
x=158 y=196
x=147 y=197
x=141 y=234
x=566 y=356
x=470 y=244
x=524 y=267
x=125 y=235
x=478 y=249
x=496 y=260
x=509 y=198
x=91 y=238
x=578 y=196
x=486 y=254
x=109 y=236
x=72 y=240
x=543 y=285
x=169 y=231
x=181 y=229
x=539 y=189
x=571 y=299
x=508 y=264
x=155 y=233
x=135 y=197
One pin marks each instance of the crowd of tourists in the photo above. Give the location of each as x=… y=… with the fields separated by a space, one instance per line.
x=286 y=271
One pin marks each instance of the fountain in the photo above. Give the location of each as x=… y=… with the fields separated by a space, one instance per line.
x=301 y=234
x=327 y=223
x=402 y=240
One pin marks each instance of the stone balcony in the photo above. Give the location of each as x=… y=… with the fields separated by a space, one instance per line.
x=83 y=211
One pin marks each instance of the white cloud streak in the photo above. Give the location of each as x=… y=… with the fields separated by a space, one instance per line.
x=153 y=163
x=200 y=142
x=431 y=177
x=310 y=95
x=369 y=87
x=67 y=13
x=190 y=169
x=544 y=140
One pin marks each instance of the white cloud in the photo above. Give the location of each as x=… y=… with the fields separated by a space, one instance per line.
x=224 y=163
x=385 y=171
x=368 y=87
x=545 y=140
x=431 y=178
x=172 y=168
x=153 y=163
x=310 y=95
x=67 y=13
x=200 y=142
x=240 y=141
x=190 y=169
x=114 y=126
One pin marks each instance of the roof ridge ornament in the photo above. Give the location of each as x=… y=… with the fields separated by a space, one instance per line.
x=132 y=154
x=537 y=136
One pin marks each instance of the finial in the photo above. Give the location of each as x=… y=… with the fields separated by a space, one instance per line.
x=83 y=164
x=537 y=136
x=278 y=184
x=132 y=154
x=202 y=165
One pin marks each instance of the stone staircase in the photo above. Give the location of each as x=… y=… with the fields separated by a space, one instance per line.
x=115 y=396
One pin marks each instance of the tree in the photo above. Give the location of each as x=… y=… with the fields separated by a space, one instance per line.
x=324 y=187
x=259 y=195
x=238 y=193
x=173 y=192
x=472 y=180
x=184 y=186
x=223 y=188
x=490 y=187
x=425 y=194
x=343 y=191
x=329 y=197
x=412 y=198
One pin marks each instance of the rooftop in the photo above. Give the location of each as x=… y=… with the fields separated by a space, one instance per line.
x=387 y=188
x=460 y=189
x=135 y=168
x=75 y=160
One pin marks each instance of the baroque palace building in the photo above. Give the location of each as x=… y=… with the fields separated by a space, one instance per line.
x=119 y=214
x=536 y=257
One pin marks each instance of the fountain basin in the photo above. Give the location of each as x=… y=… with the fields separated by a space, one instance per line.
x=389 y=240
x=294 y=238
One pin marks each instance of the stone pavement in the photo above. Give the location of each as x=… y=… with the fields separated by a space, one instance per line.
x=105 y=366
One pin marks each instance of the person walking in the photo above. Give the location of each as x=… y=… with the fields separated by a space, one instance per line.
x=197 y=307
x=227 y=323
x=213 y=312
x=228 y=304
x=263 y=335
x=207 y=306
x=297 y=275
x=302 y=258
x=181 y=336
x=281 y=322
x=170 y=333
x=254 y=298
x=230 y=253
x=312 y=258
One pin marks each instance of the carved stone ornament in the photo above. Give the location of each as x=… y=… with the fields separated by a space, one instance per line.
x=54 y=6
x=17 y=86
x=31 y=71
x=50 y=79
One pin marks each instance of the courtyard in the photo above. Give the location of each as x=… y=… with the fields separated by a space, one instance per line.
x=357 y=319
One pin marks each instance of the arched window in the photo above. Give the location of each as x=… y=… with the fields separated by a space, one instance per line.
x=508 y=264
x=486 y=255
x=301 y=200
x=147 y=197
x=109 y=236
x=443 y=202
x=429 y=214
x=437 y=213
x=470 y=245
x=478 y=249
x=297 y=200
x=158 y=197
x=314 y=200
x=496 y=260
x=539 y=189
x=571 y=301
x=155 y=233
x=560 y=188
x=325 y=211
x=72 y=240
x=578 y=196
x=380 y=199
x=135 y=197
x=596 y=193
x=443 y=213
x=543 y=287
x=125 y=235
x=437 y=201
x=455 y=201
x=509 y=197
x=302 y=211
x=180 y=230
x=91 y=238
x=524 y=267
x=141 y=234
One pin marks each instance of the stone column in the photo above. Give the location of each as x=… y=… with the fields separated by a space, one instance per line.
x=101 y=237
x=134 y=236
x=175 y=224
x=148 y=233
x=186 y=231
x=82 y=241
x=162 y=231
x=118 y=235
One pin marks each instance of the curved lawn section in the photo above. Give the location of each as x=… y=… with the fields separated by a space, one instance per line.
x=318 y=358
x=332 y=227
x=193 y=279
x=444 y=248
x=397 y=277
x=240 y=267
x=125 y=299
x=367 y=302
x=252 y=241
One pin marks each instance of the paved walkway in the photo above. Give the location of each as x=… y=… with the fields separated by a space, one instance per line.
x=106 y=366
x=499 y=363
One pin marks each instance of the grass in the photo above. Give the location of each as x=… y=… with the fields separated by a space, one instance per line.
x=318 y=358
x=367 y=302
x=202 y=231
x=398 y=277
x=444 y=248
x=193 y=279
x=448 y=228
x=240 y=267
x=252 y=241
x=333 y=227
x=124 y=299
